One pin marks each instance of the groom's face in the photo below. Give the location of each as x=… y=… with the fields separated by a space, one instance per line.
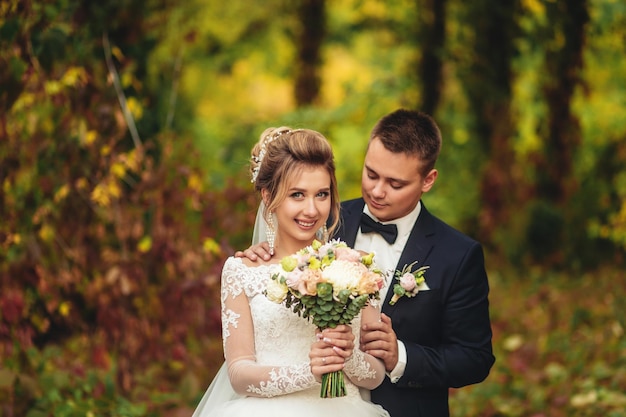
x=392 y=183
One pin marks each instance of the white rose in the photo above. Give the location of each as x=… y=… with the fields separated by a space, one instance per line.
x=276 y=291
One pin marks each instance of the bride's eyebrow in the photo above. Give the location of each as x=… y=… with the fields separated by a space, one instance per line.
x=304 y=190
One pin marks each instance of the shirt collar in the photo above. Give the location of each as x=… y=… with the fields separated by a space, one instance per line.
x=404 y=224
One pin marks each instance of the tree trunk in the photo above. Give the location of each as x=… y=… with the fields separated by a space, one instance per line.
x=488 y=82
x=312 y=17
x=432 y=22
x=553 y=225
x=564 y=64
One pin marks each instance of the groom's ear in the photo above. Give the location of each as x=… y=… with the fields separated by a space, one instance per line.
x=429 y=180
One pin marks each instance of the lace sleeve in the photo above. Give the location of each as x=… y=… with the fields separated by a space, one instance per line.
x=246 y=376
x=363 y=369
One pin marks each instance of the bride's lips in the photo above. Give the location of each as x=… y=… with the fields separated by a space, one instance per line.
x=306 y=224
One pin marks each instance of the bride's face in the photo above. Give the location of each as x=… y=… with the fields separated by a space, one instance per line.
x=304 y=210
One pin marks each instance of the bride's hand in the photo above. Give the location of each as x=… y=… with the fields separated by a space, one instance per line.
x=332 y=348
x=341 y=339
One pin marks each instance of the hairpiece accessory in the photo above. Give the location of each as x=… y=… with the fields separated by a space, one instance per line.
x=258 y=159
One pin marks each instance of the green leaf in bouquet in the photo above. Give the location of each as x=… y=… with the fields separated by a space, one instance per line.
x=327 y=307
x=325 y=291
x=343 y=296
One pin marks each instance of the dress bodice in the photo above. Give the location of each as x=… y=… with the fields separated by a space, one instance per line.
x=281 y=337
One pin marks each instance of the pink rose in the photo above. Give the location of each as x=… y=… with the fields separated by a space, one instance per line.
x=407 y=281
x=294 y=278
x=347 y=254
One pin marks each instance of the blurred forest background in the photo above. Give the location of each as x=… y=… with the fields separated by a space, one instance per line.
x=125 y=128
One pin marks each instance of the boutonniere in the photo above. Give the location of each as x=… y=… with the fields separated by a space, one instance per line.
x=409 y=282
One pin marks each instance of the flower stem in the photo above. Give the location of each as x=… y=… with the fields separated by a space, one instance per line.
x=333 y=385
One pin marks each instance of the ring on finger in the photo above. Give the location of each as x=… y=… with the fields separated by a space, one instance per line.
x=324 y=360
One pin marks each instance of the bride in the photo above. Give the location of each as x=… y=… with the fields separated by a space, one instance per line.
x=274 y=358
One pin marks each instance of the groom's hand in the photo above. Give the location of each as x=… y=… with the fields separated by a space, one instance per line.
x=379 y=340
x=254 y=252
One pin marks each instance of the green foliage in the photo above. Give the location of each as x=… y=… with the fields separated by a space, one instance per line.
x=104 y=234
x=111 y=244
x=58 y=385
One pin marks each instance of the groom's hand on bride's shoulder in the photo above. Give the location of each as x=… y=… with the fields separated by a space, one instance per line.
x=254 y=252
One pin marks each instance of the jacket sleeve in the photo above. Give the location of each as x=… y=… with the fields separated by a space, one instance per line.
x=463 y=354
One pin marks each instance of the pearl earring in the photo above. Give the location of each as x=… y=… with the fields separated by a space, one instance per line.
x=271 y=232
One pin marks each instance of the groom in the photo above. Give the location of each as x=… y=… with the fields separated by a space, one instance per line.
x=441 y=337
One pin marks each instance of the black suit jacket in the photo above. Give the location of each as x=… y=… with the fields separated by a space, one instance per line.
x=446 y=330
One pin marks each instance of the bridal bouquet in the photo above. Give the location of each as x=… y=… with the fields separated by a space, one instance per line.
x=328 y=284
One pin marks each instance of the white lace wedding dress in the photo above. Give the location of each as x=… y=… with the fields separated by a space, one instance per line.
x=266 y=348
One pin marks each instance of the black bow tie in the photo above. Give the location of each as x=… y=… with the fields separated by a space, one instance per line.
x=389 y=232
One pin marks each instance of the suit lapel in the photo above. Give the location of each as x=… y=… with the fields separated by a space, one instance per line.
x=351 y=221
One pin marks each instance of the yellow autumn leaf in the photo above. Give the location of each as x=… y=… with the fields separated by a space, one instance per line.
x=105 y=150
x=134 y=107
x=64 y=309
x=211 y=246
x=90 y=137
x=114 y=189
x=145 y=244
x=195 y=183
x=100 y=196
x=53 y=87
x=61 y=193
x=73 y=76
x=118 y=170
x=46 y=233
x=126 y=79
x=24 y=101
x=536 y=7
x=14 y=238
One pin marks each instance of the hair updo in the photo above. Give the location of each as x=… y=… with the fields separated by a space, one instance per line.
x=281 y=154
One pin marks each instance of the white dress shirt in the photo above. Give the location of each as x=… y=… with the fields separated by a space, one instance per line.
x=386 y=257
